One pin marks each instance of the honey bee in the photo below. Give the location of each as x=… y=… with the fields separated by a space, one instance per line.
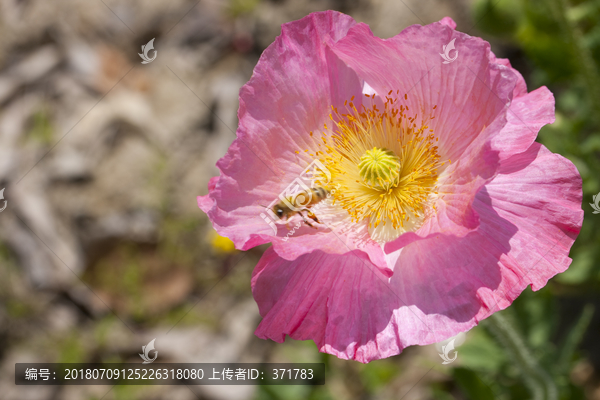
x=316 y=195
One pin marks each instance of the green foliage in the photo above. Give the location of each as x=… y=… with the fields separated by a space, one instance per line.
x=499 y=18
x=472 y=386
x=377 y=374
x=482 y=353
x=518 y=354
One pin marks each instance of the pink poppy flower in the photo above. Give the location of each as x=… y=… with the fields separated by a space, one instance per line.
x=427 y=204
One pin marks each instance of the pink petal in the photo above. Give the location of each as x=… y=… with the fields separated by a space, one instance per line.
x=330 y=242
x=205 y=203
x=341 y=302
x=449 y=22
x=526 y=116
x=539 y=192
x=521 y=86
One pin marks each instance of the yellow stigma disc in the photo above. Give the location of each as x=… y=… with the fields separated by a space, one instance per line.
x=379 y=168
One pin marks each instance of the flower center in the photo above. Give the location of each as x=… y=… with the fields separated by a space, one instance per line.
x=383 y=166
x=379 y=168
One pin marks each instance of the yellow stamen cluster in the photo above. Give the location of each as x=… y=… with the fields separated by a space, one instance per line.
x=383 y=166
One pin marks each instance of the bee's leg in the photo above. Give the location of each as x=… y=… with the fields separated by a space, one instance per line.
x=314 y=218
x=308 y=223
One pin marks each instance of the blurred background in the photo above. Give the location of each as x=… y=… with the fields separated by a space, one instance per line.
x=102 y=246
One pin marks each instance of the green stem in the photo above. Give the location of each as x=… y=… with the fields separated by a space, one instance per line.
x=535 y=378
x=574 y=338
